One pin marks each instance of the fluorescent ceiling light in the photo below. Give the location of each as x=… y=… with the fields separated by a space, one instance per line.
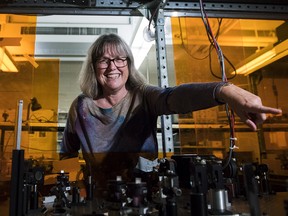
x=6 y=63
x=262 y=58
x=251 y=66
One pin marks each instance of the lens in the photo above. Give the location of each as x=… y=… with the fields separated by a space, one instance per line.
x=118 y=62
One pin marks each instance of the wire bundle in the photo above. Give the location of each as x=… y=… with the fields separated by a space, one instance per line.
x=221 y=59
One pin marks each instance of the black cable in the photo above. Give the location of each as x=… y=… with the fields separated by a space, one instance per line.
x=229 y=112
x=183 y=44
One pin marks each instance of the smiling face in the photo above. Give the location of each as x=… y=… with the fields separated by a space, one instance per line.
x=112 y=78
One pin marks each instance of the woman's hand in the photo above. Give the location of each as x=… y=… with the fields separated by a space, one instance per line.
x=246 y=105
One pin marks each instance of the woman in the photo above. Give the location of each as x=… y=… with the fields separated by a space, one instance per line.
x=114 y=120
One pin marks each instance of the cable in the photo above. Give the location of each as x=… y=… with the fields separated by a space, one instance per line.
x=42 y=119
x=213 y=40
x=185 y=48
x=152 y=17
x=209 y=56
x=221 y=59
x=230 y=63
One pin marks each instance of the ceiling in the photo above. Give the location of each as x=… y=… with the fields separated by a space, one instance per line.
x=68 y=37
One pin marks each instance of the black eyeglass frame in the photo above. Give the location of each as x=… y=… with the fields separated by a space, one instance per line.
x=108 y=62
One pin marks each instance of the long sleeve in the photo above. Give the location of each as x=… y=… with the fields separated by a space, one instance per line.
x=70 y=144
x=191 y=97
x=182 y=98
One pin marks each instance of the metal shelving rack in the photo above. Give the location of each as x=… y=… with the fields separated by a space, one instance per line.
x=277 y=9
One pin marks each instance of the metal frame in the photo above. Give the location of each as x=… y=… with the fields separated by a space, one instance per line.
x=266 y=9
x=166 y=120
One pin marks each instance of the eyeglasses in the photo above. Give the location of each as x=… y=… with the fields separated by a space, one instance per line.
x=119 y=62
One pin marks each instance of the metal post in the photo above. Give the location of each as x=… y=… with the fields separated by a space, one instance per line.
x=17 y=181
x=166 y=121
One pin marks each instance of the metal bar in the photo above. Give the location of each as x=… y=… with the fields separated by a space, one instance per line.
x=224 y=9
x=17 y=183
x=228 y=10
x=18 y=126
x=16 y=195
x=166 y=120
